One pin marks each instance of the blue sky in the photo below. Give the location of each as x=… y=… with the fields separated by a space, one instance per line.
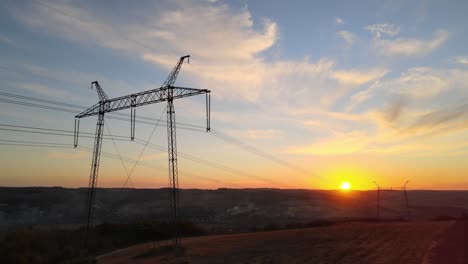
x=359 y=91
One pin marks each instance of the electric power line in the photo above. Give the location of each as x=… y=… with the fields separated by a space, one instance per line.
x=144 y=146
x=154 y=146
x=22 y=143
x=120 y=158
x=218 y=166
x=147 y=120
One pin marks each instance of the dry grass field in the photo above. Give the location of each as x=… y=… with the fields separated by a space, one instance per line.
x=396 y=242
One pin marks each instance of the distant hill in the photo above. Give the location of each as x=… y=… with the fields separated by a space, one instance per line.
x=222 y=210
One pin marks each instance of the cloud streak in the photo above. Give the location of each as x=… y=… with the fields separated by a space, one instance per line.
x=462 y=60
x=410 y=46
x=421 y=83
x=349 y=37
x=44 y=90
x=355 y=77
x=403 y=46
x=339 y=21
x=6 y=39
x=441 y=118
x=387 y=29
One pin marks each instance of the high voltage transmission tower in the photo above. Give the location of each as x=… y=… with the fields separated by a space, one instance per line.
x=168 y=93
x=408 y=212
x=380 y=190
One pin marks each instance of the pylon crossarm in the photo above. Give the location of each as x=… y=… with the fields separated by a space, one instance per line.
x=141 y=98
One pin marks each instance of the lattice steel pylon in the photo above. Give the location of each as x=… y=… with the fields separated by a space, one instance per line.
x=380 y=191
x=408 y=212
x=93 y=177
x=168 y=93
x=378 y=200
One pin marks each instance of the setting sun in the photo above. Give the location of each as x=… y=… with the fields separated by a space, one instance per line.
x=345 y=186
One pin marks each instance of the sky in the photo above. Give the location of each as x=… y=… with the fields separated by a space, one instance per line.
x=326 y=92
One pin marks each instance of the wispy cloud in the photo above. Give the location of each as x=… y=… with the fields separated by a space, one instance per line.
x=342 y=144
x=76 y=81
x=359 y=77
x=387 y=29
x=262 y=134
x=420 y=83
x=6 y=39
x=404 y=46
x=411 y=47
x=349 y=37
x=415 y=84
x=339 y=21
x=462 y=60
x=362 y=96
x=44 y=90
x=393 y=109
x=443 y=117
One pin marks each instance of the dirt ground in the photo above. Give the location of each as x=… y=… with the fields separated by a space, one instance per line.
x=453 y=246
x=346 y=243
